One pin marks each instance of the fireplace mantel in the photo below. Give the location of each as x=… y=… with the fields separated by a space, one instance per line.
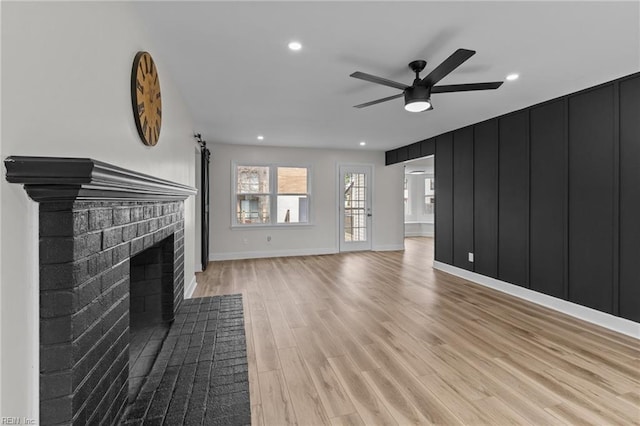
x=48 y=179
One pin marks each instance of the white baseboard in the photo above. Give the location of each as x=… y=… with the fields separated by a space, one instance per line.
x=271 y=253
x=419 y=234
x=389 y=247
x=197 y=268
x=288 y=253
x=188 y=290
x=593 y=316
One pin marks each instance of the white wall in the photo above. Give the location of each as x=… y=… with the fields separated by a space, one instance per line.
x=417 y=223
x=0 y=227
x=322 y=235
x=66 y=92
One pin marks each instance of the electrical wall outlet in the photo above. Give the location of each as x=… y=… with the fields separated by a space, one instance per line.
x=471 y=257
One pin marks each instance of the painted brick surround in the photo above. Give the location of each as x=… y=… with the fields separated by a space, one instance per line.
x=85 y=251
x=93 y=217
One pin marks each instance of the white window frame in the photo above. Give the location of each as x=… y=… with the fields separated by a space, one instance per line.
x=431 y=178
x=273 y=195
x=408 y=211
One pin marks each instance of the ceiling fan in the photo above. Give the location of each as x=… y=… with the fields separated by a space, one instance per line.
x=417 y=97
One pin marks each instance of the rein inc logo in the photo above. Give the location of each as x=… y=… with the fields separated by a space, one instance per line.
x=17 y=421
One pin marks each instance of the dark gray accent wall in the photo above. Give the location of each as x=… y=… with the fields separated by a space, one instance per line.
x=486 y=198
x=462 y=197
x=444 y=205
x=513 y=198
x=591 y=189
x=630 y=199
x=548 y=193
x=548 y=197
x=410 y=152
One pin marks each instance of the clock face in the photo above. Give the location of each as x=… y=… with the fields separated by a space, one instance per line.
x=146 y=100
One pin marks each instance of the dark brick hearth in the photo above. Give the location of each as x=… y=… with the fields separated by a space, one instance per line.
x=200 y=376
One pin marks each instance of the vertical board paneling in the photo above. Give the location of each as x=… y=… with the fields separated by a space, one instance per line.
x=402 y=154
x=444 y=199
x=555 y=198
x=486 y=198
x=630 y=199
x=548 y=193
x=591 y=191
x=390 y=157
x=513 y=199
x=463 y=197
x=414 y=151
x=428 y=147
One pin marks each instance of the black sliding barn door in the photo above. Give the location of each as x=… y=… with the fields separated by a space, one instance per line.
x=204 y=208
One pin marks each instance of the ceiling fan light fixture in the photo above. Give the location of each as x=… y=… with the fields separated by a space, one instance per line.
x=417 y=99
x=417 y=106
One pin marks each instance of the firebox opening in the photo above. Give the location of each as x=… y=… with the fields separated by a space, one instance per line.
x=151 y=309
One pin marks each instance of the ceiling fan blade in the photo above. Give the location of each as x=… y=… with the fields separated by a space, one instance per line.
x=448 y=65
x=466 y=87
x=377 y=101
x=378 y=80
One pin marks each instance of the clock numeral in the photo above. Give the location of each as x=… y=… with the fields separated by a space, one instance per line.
x=146 y=64
x=156 y=135
x=141 y=72
x=141 y=108
x=145 y=125
x=139 y=86
x=155 y=80
x=149 y=137
x=158 y=95
x=159 y=112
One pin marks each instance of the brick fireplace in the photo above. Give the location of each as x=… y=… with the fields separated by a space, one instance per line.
x=94 y=218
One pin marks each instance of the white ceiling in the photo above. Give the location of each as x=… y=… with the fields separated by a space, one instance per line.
x=231 y=62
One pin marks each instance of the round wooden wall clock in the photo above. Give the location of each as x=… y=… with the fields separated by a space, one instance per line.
x=146 y=99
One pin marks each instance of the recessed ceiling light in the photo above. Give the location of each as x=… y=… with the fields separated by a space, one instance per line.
x=294 y=45
x=512 y=77
x=363 y=143
x=260 y=137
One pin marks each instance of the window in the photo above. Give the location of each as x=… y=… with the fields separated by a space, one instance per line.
x=429 y=197
x=261 y=190
x=252 y=195
x=406 y=197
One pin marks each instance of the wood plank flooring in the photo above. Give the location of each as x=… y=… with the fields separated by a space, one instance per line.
x=382 y=338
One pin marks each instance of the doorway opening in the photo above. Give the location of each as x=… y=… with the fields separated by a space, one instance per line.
x=419 y=197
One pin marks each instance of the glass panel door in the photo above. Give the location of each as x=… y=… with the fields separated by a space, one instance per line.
x=355 y=208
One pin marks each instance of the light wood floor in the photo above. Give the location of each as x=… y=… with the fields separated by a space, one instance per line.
x=382 y=338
